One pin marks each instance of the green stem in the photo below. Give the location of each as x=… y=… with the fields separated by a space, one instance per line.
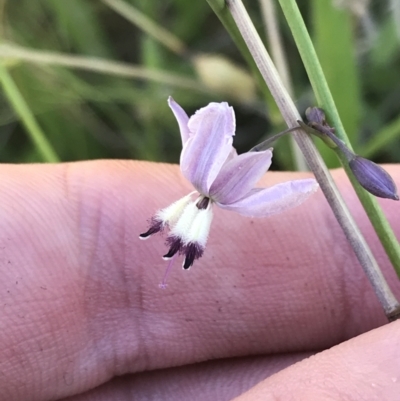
x=326 y=102
x=22 y=109
x=313 y=67
x=264 y=145
x=272 y=32
x=218 y=6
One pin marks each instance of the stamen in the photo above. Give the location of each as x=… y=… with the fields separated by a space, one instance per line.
x=175 y=245
x=192 y=252
x=163 y=284
x=203 y=203
x=155 y=227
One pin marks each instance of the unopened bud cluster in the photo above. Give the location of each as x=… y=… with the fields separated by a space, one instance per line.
x=370 y=176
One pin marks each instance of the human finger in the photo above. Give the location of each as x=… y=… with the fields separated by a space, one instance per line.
x=364 y=368
x=81 y=294
x=220 y=380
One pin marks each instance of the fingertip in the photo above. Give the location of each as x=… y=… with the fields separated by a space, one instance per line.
x=363 y=368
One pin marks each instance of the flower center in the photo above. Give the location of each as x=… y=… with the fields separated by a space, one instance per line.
x=203 y=203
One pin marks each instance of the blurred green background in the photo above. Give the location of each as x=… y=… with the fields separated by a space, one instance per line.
x=95 y=76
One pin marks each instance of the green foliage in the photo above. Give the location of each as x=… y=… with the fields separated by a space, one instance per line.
x=84 y=114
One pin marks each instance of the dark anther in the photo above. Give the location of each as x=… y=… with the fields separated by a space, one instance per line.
x=175 y=245
x=192 y=252
x=155 y=227
x=203 y=203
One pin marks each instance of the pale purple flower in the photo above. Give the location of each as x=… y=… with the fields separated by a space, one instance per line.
x=220 y=177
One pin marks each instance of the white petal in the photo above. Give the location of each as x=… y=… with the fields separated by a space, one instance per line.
x=171 y=214
x=200 y=228
x=193 y=225
x=182 y=226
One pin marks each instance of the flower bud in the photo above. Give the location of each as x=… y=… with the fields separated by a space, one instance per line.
x=320 y=128
x=315 y=115
x=373 y=178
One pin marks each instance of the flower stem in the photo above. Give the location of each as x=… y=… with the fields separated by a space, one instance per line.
x=326 y=102
x=269 y=141
x=25 y=114
x=273 y=35
x=328 y=186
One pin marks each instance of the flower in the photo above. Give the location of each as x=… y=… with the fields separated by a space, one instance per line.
x=220 y=177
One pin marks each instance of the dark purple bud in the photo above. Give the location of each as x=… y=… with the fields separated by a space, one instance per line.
x=373 y=178
x=320 y=128
x=315 y=115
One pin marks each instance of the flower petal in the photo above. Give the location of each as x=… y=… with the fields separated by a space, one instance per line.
x=167 y=217
x=170 y=214
x=209 y=144
x=263 y=202
x=181 y=118
x=239 y=176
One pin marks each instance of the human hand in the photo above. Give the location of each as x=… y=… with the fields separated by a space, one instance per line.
x=81 y=303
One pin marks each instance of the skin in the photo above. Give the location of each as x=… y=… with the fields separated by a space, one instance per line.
x=83 y=317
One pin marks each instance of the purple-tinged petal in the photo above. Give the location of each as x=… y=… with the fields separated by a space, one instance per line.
x=264 y=202
x=209 y=145
x=232 y=154
x=239 y=176
x=181 y=118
